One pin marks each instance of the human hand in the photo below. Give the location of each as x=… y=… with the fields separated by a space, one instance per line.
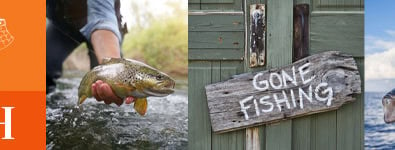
x=102 y=92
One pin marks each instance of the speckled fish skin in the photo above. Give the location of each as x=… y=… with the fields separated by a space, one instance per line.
x=128 y=78
x=388 y=102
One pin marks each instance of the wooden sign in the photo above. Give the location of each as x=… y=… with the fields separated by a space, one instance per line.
x=317 y=83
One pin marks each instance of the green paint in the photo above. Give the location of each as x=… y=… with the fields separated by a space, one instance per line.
x=216 y=40
x=199 y=128
x=216 y=22
x=221 y=5
x=338 y=5
x=339 y=31
x=222 y=70
x=279 y=53
x=216 y=54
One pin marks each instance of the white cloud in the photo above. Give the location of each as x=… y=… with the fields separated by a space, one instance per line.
x=390 y=32
x=380 y=56
x=376 y=44
x=380 y=65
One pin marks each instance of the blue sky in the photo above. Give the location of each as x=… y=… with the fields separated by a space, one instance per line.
x=379 y=22
x=379 y=15
x=379 y=45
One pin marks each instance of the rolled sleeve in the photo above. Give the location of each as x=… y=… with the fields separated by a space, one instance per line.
x=101 y=16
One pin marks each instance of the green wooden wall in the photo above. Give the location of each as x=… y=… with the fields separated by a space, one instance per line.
x=218 y=49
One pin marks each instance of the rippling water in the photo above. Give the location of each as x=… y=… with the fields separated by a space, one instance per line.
x=95 y=125
x=378 y=134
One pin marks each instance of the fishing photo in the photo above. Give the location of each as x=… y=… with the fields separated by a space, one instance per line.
x=276 y=74
x=116 y=74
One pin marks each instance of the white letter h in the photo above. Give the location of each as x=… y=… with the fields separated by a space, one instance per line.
x=7 y=123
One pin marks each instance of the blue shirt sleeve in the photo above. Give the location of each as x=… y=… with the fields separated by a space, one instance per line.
x=101 y=15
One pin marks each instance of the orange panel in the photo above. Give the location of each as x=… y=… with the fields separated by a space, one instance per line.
x=22 y=62
x=27 y=120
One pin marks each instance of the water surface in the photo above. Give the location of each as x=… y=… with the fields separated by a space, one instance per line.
x=378 y=134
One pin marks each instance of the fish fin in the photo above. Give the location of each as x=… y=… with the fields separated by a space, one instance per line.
x=140 y=105
x=82 y=99
x=106 y=60
x=109 y=60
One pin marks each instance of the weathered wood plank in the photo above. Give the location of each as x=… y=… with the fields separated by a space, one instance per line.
x=231 y=40
x=325 y=5
x=324 y=131
x=194 y=1
x=199 y=129
x=229 y=141
x=202 y=55
x=280 y=135
x=352 y=5
x=252 y=138
x=193 y=4
x=361 y=106
x=337 y=31
x=279 y=53
x=350 y=120
x=337 y=5
x=340 y=5
x=217 y=1
x=330 y=69
x=216 y=22
x=262 y=136
x=215 y=54
x=279 y=33
x=302 y=1
x=301 y=127
x=301 y=131
x=260 y=130
x=350 y=40
x=301 y=36
x=222 y=70
x=221 y=5
x=218 y=141
x=345 y=127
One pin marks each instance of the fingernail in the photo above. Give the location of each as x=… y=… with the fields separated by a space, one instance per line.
x=99 y=81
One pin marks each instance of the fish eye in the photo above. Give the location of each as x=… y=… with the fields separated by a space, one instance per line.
x=387 y=101
x=160 y=77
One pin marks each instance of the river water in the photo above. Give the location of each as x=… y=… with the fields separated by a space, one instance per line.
x=378 y=134
x=95 y=125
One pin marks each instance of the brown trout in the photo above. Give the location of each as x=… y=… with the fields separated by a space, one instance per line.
x=128 y=78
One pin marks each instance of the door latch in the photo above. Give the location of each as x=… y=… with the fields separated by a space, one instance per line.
x=257 y=35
